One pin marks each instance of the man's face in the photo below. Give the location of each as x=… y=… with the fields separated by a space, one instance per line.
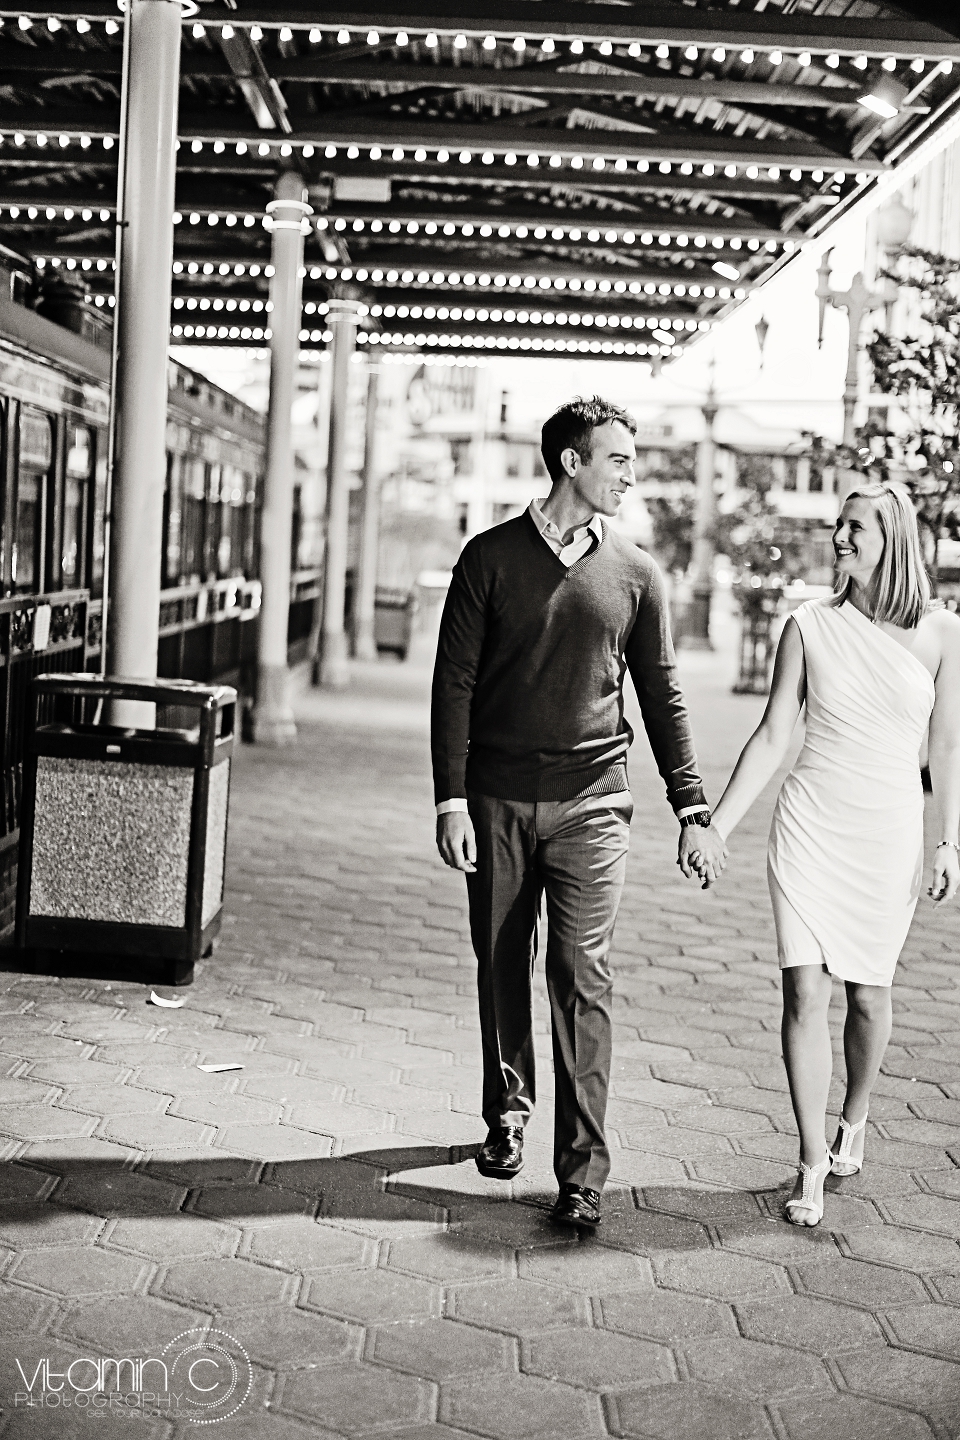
x=604 y=479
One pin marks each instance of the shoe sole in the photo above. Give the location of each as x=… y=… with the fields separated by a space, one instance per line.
x=575 y=1223
x=494 y=1172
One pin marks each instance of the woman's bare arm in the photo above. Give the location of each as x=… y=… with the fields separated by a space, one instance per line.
x=767 y=746
x=944 y=758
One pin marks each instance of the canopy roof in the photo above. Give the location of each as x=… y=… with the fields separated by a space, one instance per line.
x=497 y=176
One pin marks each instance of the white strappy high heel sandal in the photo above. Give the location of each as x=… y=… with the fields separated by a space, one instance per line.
x=844 y=1163
x=813 y=1177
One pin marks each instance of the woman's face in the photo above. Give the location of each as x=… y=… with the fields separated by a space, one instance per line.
x=858 y=541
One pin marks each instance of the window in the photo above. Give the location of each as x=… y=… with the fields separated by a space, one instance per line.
x=34 y=462
x=76 y=485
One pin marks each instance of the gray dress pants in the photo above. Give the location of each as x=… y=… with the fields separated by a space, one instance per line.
x=575 y=852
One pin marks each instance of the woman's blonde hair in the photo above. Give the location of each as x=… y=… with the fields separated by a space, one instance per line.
x=900 y=589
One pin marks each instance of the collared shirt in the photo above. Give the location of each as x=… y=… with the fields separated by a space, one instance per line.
x=573 y=550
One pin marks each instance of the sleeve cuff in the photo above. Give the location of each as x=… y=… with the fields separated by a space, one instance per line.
x=691 y=810
x=449 y=807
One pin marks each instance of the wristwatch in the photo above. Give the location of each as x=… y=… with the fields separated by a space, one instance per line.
x=699 y=817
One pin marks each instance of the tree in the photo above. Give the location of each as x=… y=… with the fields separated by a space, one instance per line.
x=921 y=371
x=753 y=535
x=671 y=511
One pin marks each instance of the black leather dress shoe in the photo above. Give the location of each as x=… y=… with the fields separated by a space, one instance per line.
x=578 y=1206
x=501 y=1155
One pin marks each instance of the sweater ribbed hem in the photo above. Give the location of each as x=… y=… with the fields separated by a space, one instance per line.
x=543 y=789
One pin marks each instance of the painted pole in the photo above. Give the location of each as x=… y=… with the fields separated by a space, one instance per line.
x=273 y=722
x=333 y=670
x=145 y=251
x=364 y=611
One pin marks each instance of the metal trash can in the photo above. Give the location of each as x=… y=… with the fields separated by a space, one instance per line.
x=123 y=831
x=393 y=620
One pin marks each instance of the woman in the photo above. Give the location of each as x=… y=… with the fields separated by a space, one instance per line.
x=875 y=664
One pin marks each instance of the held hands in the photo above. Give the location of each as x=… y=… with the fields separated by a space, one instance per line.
x=456 y=841
x=946 y=874
x=702 y=853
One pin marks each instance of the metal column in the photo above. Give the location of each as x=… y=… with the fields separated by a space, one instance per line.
x=365 y=600
x=145 y=253
x=273 y=722
x=332 y=671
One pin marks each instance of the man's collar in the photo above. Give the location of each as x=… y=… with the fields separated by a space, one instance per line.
x=546 y=526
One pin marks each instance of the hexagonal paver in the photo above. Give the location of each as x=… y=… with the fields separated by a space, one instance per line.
x=721 y=1274
x=223 y=1284
x=249 y=1204
x=226 y=1110
x=442 y=1349
x=113 y=1100
x=934 y=1328
x=912 y=1249
x=148 y=1132
x=164 y=1238
x=36 y=1122
x=824 y=1418
x=807 y=1324
x=120 y=1192
x=588 y=1267
x=687 y=1409
x=519 y=1405
x=287 y=1339
x=272 y=1142
x=874 y=1287
x=372 y=1296
x=596 y=1359
x=754 y=1369
x=22 y=1312
x=928 y=1212
x=19 y=1183
x=664 y=1315
x=356 y=1398
x=79 y=1270
x=38 y=1227
x=302 y=1244
x=122 y=1325
x=928 y=1386
x=451 y=1257
x=646 y=1232
x=519 y=1307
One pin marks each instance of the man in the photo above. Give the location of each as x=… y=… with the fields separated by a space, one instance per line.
x=544 y=614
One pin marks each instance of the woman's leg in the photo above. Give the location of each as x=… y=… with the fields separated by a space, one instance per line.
x=865 y=1036
x=807 y=1053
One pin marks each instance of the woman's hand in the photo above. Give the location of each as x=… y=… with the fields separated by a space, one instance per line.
x=946 y=874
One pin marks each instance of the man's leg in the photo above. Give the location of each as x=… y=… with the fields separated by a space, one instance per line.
x=504 y=900
x=582 y=857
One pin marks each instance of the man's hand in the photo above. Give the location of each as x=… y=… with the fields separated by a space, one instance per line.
x=702 y=853
x=456 y=841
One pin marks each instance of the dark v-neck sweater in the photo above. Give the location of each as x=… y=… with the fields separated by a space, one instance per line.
x=528 y=685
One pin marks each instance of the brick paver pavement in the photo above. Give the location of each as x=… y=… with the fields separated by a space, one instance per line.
x=321 y=1205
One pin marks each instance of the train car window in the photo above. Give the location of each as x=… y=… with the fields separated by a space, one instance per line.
x=194 y=517
x=34 y=463
x=98 y=518
x=172 y=521
x=213 y=521
x=76 y=486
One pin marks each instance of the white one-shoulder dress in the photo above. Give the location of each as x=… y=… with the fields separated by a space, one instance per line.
x=845 y=858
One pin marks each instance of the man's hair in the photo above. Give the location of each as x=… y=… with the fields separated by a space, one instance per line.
x=572 y=426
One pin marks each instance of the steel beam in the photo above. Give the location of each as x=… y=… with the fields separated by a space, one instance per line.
x=655 y=23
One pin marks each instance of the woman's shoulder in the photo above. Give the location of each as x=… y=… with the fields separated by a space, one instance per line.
x=942 y=623
x=815 y=608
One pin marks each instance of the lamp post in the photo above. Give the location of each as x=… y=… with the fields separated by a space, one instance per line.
x=696 y=626
x=893 y=229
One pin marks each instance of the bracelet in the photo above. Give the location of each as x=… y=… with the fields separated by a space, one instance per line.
x=951 y=843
